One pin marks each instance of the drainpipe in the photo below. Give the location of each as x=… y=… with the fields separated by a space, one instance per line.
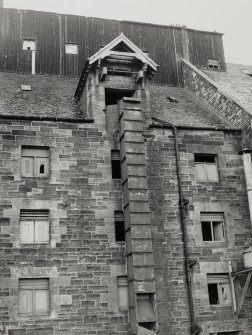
x=246 y=155
x=188 y=265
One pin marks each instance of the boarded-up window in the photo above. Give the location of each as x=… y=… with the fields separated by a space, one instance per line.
x=34 y=226
x=212 y=226
x=122 y=284
x=29 y=44
x=71 y=48
x=206 y=167
x=145 y=309
x=119 y=226
x=219 y=290
x=33 y=296
x=34 y=162
x=115 y=164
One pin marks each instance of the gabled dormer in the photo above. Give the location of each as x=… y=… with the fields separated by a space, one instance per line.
x=120 y=57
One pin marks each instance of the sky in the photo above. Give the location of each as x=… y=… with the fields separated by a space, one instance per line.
x=231 y=17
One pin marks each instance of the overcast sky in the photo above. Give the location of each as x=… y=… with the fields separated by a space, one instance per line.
x=231 y=17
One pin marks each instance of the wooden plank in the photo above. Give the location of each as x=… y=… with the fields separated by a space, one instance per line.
x=244 y=291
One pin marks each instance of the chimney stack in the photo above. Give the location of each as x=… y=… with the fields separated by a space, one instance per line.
x=1 y=3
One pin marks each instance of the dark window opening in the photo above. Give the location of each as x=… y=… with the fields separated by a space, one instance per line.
x=119 y=226
x=147 y=325
x=172 y=99
x=212 y=226
x=116 y=164
x=213 y=294
x=112 y=96
x=204 y=158
x=42 y=168
x=206 y=231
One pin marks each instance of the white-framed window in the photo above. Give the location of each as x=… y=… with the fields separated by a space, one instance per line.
x=206 y=167
x=34 y=226
x=122 y=286
x=213 y=63
x=35 y=162
x=71 y=48
x=219 y=290
x=119 y=226
x=33 y=296
x=212 y=226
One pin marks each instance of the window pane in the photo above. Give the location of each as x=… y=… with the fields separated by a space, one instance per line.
x=200 y=170
x=41 y=231
x=218 y=231
x=27 y=231
x=206 y=231
x=41 y=301
x=225 y=294
x=25 y=301
x=213 y=294
x=212 y=172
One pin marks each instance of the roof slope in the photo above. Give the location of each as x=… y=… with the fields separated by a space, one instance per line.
x=189 y=111
x=235 y=82
x=51 y=96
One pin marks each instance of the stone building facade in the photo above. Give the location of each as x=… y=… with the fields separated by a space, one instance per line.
x=125 y=206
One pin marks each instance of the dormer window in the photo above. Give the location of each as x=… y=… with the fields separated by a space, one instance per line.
x=213 y=63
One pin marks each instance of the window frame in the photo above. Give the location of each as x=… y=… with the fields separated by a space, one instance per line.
x=31 y=286
x=206 y=166
x=35 y=155
x=33 y=219
x=213 y=217
x=220 y=280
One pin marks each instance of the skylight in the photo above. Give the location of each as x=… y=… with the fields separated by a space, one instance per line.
x=172 y=99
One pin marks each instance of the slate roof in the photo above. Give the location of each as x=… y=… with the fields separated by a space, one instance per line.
x=235 y=82
x=53 y=96
x=189 y=111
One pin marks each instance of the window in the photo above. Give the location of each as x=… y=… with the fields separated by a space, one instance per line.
x=212 y=226
x=29 y=44
x=71 y=48
x=115 y=163
x=25 y=87
x=34 y=226
x=219 y=289
x=35 y=162
x=33 y=296
x=119 y=226
x=122 y=284
x=206 y=167
x=213 y=63
x=172 y=99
